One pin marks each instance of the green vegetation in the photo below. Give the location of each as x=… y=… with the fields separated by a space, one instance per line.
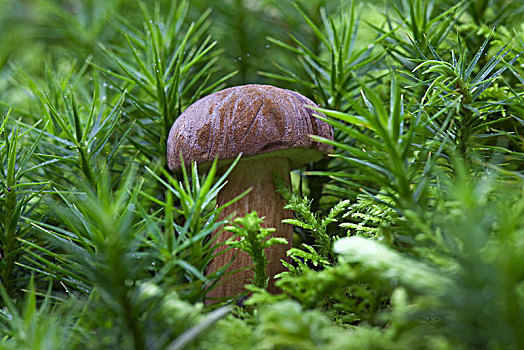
x=409 y=236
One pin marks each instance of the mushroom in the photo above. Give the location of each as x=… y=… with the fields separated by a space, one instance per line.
x=270 y=126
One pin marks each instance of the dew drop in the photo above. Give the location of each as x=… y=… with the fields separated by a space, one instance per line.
x=104 y=84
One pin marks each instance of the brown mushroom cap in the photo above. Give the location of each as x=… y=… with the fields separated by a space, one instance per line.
x=255 y=120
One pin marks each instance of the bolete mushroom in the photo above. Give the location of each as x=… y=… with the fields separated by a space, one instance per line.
x=270 y=126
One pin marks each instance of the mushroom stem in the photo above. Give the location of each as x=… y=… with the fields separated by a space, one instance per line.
x=256 y=174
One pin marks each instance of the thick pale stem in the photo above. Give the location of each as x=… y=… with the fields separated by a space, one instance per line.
x=258 y=175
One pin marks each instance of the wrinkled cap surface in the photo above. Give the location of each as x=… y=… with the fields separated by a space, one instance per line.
x=255 y=120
